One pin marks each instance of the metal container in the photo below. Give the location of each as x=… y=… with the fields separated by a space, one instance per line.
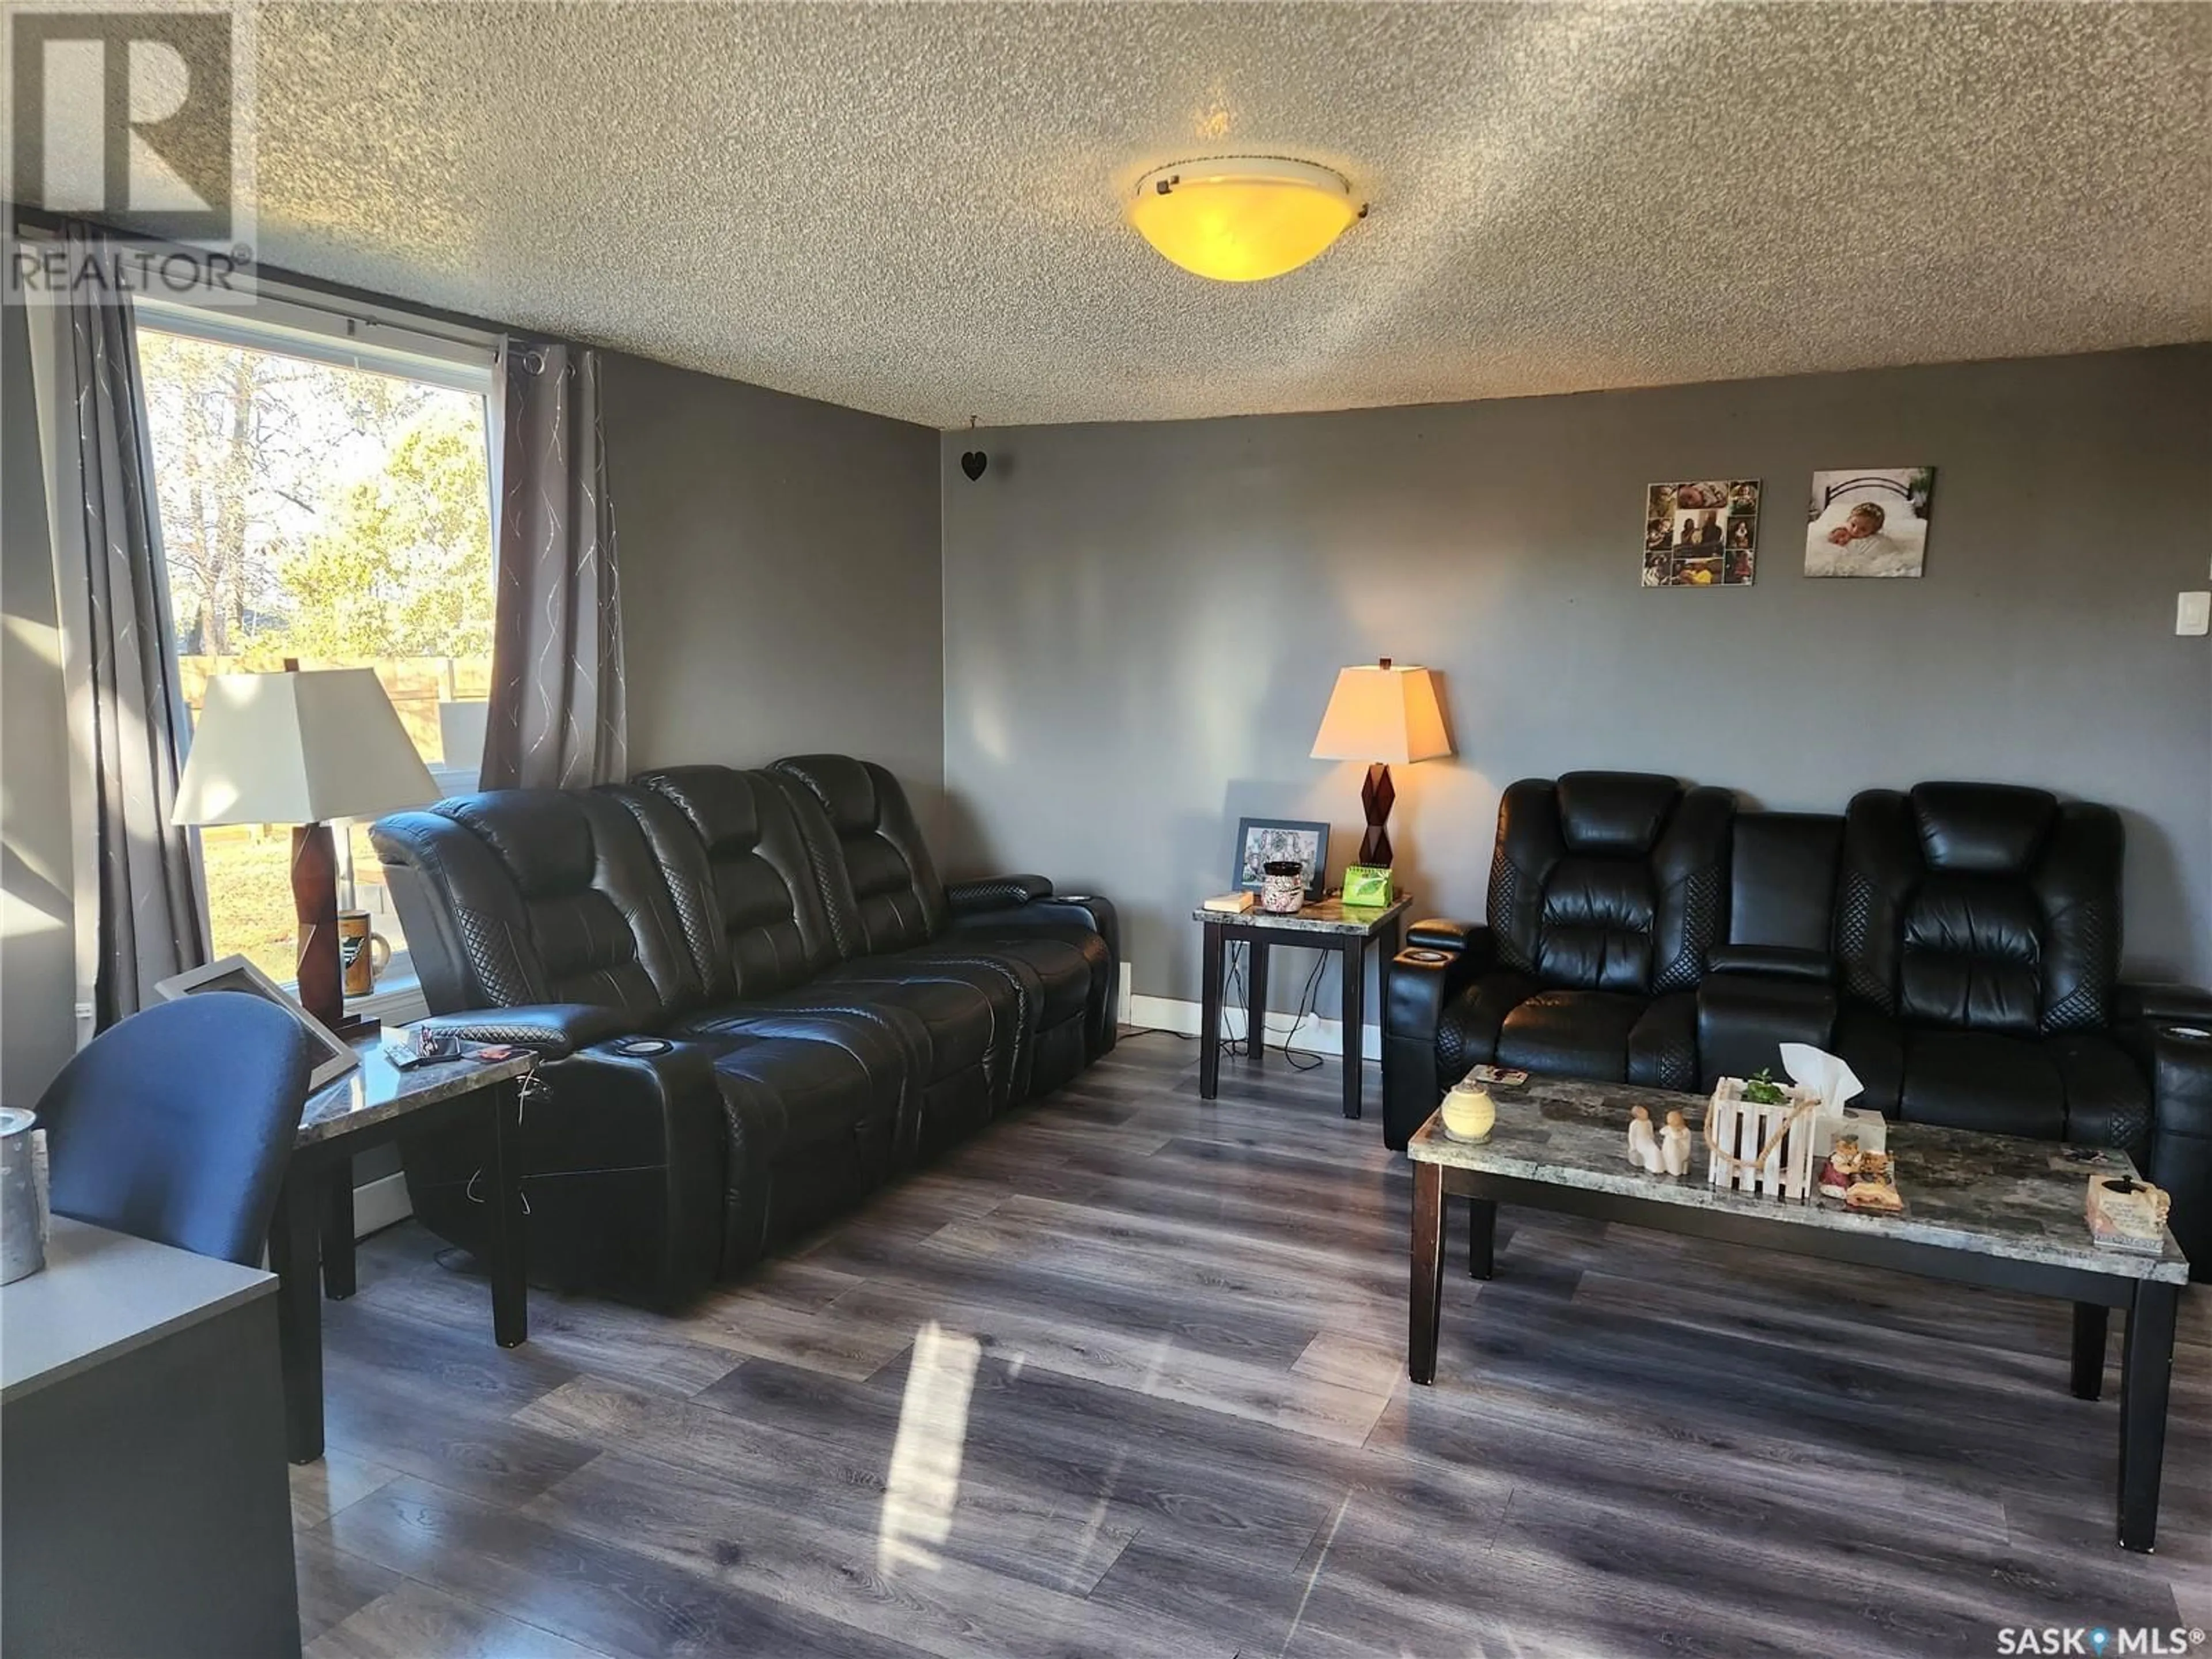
x=23 y=1194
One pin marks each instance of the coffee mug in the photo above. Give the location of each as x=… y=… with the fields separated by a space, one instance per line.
x=361 y=955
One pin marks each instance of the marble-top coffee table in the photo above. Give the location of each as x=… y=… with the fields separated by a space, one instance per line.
x=1980 y=1209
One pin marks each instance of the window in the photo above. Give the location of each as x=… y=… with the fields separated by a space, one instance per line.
x=328 y=500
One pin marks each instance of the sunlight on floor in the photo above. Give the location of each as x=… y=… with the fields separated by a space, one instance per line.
x=923 y=1482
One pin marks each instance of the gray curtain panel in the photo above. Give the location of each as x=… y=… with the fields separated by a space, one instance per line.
x=556 y=718
x=129 y=724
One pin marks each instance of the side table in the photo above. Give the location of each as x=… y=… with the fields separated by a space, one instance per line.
x=372 y=1104
x=1330 y=924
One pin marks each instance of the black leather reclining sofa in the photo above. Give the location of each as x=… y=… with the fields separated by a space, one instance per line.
x=832 y=1011
x=1959 y=945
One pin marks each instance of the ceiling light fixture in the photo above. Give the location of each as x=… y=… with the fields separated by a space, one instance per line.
x=1243 y=218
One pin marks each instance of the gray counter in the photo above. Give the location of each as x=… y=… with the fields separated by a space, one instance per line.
x=143 y=1502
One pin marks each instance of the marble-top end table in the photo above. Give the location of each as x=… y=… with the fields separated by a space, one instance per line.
x=1979 y=1209
x=377 y=1102
x=1328 y=925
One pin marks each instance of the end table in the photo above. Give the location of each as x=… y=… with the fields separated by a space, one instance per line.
x=1329 y=925
x=372 y=1104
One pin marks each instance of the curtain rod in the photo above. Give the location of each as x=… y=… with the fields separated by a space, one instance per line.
x=42 y=219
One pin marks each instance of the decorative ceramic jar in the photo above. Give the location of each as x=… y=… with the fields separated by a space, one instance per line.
x=1283 y=887
x=1469 y=1113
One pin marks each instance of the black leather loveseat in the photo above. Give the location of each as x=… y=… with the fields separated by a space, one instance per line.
x=829 y=1011
x=1959 y=945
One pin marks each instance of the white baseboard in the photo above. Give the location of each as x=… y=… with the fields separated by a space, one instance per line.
x=377 y=1204
x=1316 y=1036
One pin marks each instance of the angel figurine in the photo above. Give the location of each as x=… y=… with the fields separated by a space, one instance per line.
x=1675 y=1145
x=1642 y=1145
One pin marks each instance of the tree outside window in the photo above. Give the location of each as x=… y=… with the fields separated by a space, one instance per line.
x=339 y=516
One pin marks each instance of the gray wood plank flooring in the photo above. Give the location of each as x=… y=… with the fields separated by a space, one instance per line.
x=1127 y=1376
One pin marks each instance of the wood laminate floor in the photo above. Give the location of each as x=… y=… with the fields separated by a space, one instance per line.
x=1127 y=1376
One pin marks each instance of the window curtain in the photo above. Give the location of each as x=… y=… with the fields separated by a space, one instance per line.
x=556 y=718
x=140 y=900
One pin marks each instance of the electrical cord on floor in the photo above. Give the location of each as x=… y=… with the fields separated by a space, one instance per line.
x=1302 y=1060
x=1232 y=1046
x=1237 y=1046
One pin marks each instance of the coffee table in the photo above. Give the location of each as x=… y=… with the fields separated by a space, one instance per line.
x=1980 y=1209
x=1327 y=924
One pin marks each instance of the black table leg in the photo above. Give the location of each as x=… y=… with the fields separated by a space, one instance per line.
x=1352 y=1013
x=2089 y=1326
x=1209 y=1010
x=1481 y=1237
x=293 y=1237
x=1389 y=940
x=2146 y=1370
x=510 y=1306
x=1424 y=1305
x=1255 y=1001
x=338 y=1231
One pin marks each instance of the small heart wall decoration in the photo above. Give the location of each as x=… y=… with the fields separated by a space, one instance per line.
x=973 y=463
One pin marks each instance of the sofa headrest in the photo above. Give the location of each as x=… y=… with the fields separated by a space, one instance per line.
x=1983 y=829
x=1616 y=814
x=542 y=837
x=843 y=786
x=719 y=802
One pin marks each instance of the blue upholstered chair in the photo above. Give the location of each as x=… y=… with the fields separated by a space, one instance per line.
x=175 y=1124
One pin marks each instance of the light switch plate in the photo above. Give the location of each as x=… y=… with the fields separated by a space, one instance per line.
x=2192 y=614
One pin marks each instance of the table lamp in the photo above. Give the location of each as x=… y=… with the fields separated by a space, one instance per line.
x=1383 y=715
x=302 y=749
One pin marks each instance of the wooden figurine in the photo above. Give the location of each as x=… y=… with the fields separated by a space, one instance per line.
x=1674 y=1144
x=1642 y=1145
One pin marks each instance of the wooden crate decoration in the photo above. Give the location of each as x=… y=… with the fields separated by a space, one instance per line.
x=1756 y=1148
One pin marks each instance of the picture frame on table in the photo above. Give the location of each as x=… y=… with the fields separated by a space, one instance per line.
x=334 y=1057
x=1262 y=841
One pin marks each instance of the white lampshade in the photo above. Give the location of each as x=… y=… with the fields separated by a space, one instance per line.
x=1383 y=713
x=299 y=748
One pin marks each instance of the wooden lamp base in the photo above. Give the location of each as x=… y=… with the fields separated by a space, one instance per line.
x=315 y=911
x=1376 y=796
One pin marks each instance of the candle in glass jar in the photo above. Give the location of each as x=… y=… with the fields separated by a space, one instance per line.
x=1469 y=1113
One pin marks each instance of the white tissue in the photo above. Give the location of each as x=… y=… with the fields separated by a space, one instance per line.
x=1822 y=1072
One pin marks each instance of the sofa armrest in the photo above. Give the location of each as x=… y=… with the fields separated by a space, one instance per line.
x=1780 y=962
x=2162 y=1004
x=552 y=1030
x=994 y=893
x=1471 y=941
x=627 y=1166
x=2181 y=1137
x=1424 y=978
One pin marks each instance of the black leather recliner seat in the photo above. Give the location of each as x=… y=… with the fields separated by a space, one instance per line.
x=886 y=901
x=1977 y=936
x=701 y=906
x=1959 y=945
x=1606 y=891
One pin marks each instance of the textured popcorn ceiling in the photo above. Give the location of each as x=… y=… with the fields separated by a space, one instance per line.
x=917 y=210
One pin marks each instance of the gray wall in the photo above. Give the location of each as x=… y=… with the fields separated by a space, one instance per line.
x=1143 y=622
x=38 y=952
x=779 y=576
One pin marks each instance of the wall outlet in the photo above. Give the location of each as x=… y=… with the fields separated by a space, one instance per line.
x=2192 y=614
